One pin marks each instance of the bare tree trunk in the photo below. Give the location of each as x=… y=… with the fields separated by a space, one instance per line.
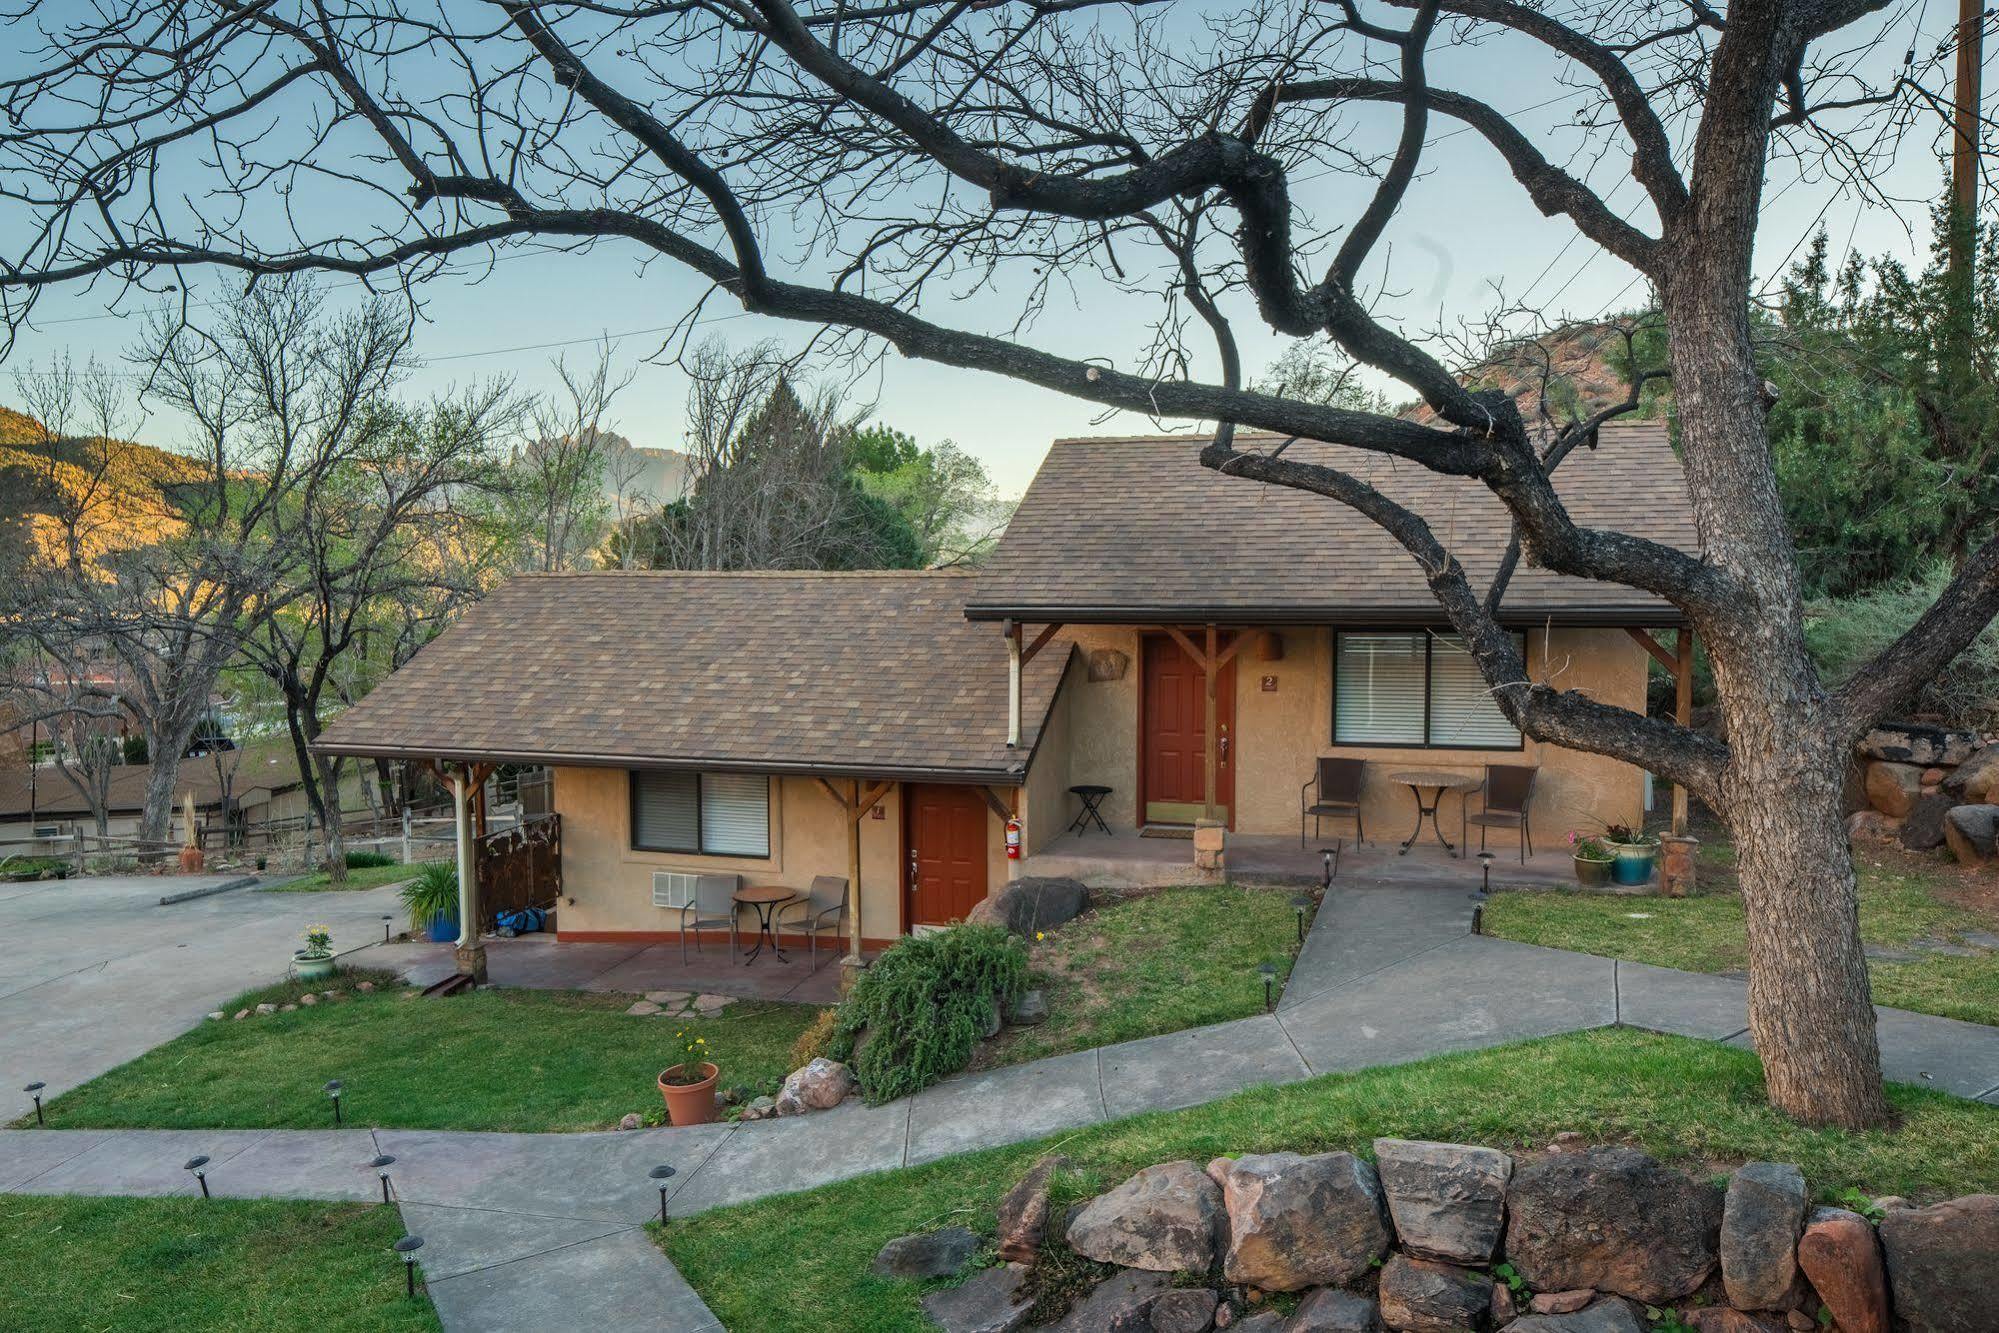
x=1809 y=1009
x=328 y=770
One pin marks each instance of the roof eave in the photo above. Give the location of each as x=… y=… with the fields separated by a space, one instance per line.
x=1652 y=614
x=1010 y=777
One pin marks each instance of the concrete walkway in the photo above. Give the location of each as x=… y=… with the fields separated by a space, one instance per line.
x=527 y=1231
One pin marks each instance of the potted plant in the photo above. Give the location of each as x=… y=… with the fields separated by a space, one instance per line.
x=315 y=961
x=1592 y=858
x=431 y=899
x=1635 y=850
x=689 y=1087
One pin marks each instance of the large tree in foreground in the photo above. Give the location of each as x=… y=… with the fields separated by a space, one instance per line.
x=867 y=167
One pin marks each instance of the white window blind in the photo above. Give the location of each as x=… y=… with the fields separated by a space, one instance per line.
x=735 y=814
x=1378 y=689
x=1462 y=711
x=717 y=814
x=666 y=811
x=1416 y=689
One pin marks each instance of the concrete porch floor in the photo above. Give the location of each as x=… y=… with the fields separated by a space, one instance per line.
x=542 y=962
x=1127 y=859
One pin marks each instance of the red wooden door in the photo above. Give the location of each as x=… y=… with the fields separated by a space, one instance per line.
x=947 y=853
x=1173 y=732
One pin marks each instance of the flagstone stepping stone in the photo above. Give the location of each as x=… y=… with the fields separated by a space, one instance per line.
x=643 y=1008
x=669 y=997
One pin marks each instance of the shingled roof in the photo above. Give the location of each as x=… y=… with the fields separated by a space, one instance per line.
x=863 y=674
x=1137 y=531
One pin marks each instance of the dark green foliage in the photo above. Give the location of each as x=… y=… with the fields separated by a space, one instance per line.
x=135 y=750
x=1885 y=431
x=924 y=1004
x=368 y=860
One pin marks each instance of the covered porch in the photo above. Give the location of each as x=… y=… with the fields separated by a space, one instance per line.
x=543 y=962
x=1129 y=858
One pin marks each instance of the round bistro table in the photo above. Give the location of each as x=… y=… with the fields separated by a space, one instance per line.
x=1436 y=782
x=766 y=899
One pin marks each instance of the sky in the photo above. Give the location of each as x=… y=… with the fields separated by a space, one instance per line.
x=1465 y=230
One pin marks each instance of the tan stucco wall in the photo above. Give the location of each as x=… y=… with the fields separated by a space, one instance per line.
x=1279 y=734
x=607 y=884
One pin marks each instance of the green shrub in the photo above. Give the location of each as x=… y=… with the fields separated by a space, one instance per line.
x=1845 y=633
x=368 y=860
x=923 y=1006
x=433 y=894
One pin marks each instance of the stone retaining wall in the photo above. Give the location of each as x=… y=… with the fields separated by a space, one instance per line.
x=1925 y=787
x=1435 y=1237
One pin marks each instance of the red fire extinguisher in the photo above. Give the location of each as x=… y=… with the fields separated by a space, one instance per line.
x=1013 y=839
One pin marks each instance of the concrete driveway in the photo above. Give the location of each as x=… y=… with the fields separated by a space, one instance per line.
x=95 y=971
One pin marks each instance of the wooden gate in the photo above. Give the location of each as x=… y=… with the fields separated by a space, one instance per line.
x=519 y=867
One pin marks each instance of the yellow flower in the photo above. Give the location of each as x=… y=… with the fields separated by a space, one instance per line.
x=1038 y=937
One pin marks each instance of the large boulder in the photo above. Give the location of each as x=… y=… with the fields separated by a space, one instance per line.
x=1296 y=1222
x=1330 y=1310
x=1972 y=833
x=1121 y=1303
x=1943 y=1264
x=818 y=1086
x=1843 y=1261
x=1918 y=743
x=1612 y=1219
x=1424 y=1296
x=1976 y=780
x=926 y=1254
x=1922 y=831
x=1032 y=903
x=990 y=1302
x=1166 y=1219
x=1448 y=1201
x=1762 y=1216
x=1187 y=1310
x=1893 y=788
x=1870 y=825
x=1608 y=1315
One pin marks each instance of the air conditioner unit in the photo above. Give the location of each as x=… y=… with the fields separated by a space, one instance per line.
x=672 y=889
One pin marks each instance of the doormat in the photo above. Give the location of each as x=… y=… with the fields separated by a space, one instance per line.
x=1166 y=831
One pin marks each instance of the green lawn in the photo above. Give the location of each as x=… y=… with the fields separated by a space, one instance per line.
x=1902 y=899
x=1151 y=963
x=494 y=1060
x=193 y=1264
x=803 y=1258
x=364 y=877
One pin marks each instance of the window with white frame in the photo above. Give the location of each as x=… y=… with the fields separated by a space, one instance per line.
x=712 y=814
x=1414 y=689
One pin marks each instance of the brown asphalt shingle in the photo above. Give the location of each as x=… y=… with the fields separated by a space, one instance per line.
x=1138 y=526
x=866 y=673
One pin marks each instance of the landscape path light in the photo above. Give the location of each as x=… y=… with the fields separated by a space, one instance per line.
x=382 y=1165
x=195 y=1164
x=333 y=1091
x=1269 y=973
x=662 y=1173
x=35 y=1090
x=1302 y=902
x=407 y=1248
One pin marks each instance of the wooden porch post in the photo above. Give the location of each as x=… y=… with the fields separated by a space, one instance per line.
x=853 y=813
x=1209 y=670
x=1012 y=630
x=1683 y=713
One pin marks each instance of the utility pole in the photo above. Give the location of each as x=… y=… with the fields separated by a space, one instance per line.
x=1964 y=154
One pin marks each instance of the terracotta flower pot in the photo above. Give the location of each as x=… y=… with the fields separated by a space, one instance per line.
x=690 y=1103
x=191 y=860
